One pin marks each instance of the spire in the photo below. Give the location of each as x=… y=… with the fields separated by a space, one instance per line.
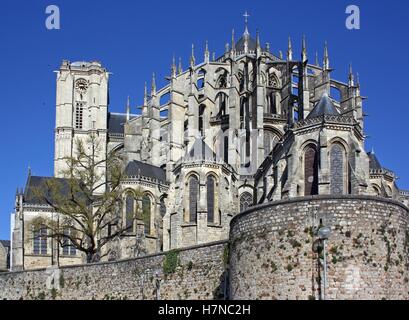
x=192 y=57
x=233 y=45
x=180 y=70
x=258 y=46
x=207 y=54
x=304 y=50
x=153 y=86
x=317 y=62
x=326 y=57
x=214 y=56
x=128 y=108
x=350 y=76
x=145 y=95
x=280 y=53
x=290 y=50
x=29 y=171
x=173 y=68
x=358 y=85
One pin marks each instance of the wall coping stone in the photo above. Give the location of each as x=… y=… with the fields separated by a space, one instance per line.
x=200 y=246
x=314 y=198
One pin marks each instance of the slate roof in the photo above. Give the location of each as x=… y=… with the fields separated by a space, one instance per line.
x=374 y=163
x=251 y=44
x=116 y=122
x=200 y=150
x=38 y=182
x=135 y=168
x=5 y=243
x=324 y=107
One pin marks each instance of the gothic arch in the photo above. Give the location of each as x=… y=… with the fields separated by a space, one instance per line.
x=192 y=197
x=221 y=103
x=211 y=197
x=246 y=201
x=338 y=168
x=148 y=204
x=310 y=164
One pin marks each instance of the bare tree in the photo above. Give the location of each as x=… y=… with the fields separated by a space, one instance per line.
x=88 y=200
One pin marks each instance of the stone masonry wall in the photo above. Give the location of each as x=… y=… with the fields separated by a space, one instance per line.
x=199 y=274
x=272 y=256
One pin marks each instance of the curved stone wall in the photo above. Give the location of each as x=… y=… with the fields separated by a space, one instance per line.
x=272 y=249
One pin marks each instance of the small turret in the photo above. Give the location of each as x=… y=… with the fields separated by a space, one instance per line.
x=128 y=108
x=304 y=57
x=153 y=86
x=206 y=53
x=290 y=50
x=326 y=57
x=192 y=57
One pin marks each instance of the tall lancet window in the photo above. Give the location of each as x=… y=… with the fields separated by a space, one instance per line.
x=337 y=169
x=201 y=119
x=193 y=198
x=129 y=211
x=146 y=213
x=210 y=188
x=310 y=170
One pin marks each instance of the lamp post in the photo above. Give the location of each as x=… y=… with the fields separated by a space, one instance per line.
x=323 y=235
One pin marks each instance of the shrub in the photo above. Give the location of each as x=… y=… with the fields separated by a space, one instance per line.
x=171 y=261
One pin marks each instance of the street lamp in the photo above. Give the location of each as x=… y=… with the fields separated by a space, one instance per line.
x=323 y=234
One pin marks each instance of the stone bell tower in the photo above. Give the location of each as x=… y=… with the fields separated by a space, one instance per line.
x=81 y=109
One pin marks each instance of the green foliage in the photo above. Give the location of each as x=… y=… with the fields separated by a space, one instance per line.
x=53 y=293
x=171 y=261
x=190 y=265
x=62 y=281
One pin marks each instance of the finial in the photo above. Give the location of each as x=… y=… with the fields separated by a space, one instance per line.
x=317 y=62
x=207 y=55
x=192 y=57
x=214 y=56
x=267 y=46
x=326 y=57
x=145 y=95
x=350 y=76
x=128 y=108
x=258 y=40
x=373 y=150
x=358 y=85
x=233 y=45
x=280 y=54
x=227 y=47
x=153 y=86
x=29 y=171
x=180 y=70
x=304 y=49
x=173 y=68
x=290 y=50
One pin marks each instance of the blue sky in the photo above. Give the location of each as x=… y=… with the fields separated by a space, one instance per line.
x=135 y=38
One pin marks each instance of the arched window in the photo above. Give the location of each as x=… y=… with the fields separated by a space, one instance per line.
x=376 y=190
x=146 y=213
x=210 y=189
x=273 y=80
x=193 y=197
x=40 y=240
x=201 y=119
x=129 y=211
x=222 y=103
x=272 y=103
x=337 y=184
x=226 y=149
x=241 y=81
x=67 y=247
x=310 y=171
x=201 y=79
x=246 y=201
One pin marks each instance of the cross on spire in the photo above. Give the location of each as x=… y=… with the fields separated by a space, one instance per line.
x=246 y=16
